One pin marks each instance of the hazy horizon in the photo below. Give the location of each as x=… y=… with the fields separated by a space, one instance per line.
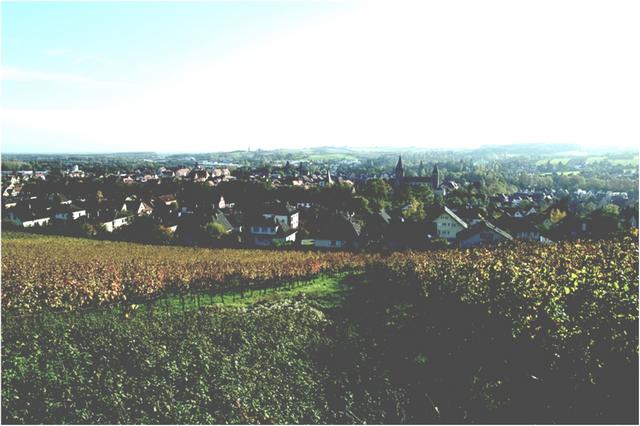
x=225 y=76
x=561 y=148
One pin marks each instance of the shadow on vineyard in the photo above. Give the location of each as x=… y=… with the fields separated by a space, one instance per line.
x=401 y=358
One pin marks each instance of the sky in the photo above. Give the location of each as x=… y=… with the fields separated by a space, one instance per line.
x=221 y=76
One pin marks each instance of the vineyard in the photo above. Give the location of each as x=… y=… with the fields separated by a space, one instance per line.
x=557 y=324
x=560 y=296
x=521 y=333
x=61 y=274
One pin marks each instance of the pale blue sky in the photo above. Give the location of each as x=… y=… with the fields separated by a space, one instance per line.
x=209 y=76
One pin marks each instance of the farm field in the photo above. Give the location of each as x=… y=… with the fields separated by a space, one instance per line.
x=519 y=333
x=631 y=161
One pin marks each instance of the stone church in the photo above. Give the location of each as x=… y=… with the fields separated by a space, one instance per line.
x=433 y=181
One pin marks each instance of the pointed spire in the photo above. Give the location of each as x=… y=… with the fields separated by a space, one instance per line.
x=435 y=177
x=399 y=171
x=399 y=168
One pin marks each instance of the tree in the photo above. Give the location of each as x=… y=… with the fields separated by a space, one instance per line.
x=377 y=189
x=557 y=215
x=605 y=221
x=214 y=232
x=414 y=211
x=144 y=230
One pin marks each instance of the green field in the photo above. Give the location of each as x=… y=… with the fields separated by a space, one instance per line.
x=329 y=291
x=632 y=161
x=331 y=157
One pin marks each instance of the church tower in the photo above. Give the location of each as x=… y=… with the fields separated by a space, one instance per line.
x=435 y=178
x=421 y=171
x=399 y=171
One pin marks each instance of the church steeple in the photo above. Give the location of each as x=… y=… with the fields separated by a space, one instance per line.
x=421 y=171
x=399 y=170
x=435 y=178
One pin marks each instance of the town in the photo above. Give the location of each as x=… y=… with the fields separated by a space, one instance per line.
x=363 y=200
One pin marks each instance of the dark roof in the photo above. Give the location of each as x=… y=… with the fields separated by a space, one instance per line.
x=61 y=198
x=417 y=179
x=169 y=198
x=339 y=227
x=258 y=220
x=67 y=208
x=483 y=226
x=279 y=209
x=109 y=215
x=27 y=213
x=524 y=224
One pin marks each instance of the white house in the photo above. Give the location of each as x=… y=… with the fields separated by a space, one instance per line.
x=283 y=214
x=69 y=212
x=28 y=219
x=138 y=208
x=117 y=222
x=220 y=204
x=269 y=231
x=448 y=224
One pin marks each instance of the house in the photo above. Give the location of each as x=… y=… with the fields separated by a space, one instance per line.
x=220 y=203
x=26 y=217
x=338 y=231
x=569 y=228
x=136 y=207
x=377 y=226
x=472 y=215
x=269 y=231
x=198 y=175
x=524 y=229
x=12 y=190
x=167 y=173
x=482 y=234
x=182 y=172
x=58 y=198
x=69 y=212
x=448 y=224
x=75 y=172
x=115 y=220
x=9 y=203
x=8 y=191
x=168 y=199
x=284 y=214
